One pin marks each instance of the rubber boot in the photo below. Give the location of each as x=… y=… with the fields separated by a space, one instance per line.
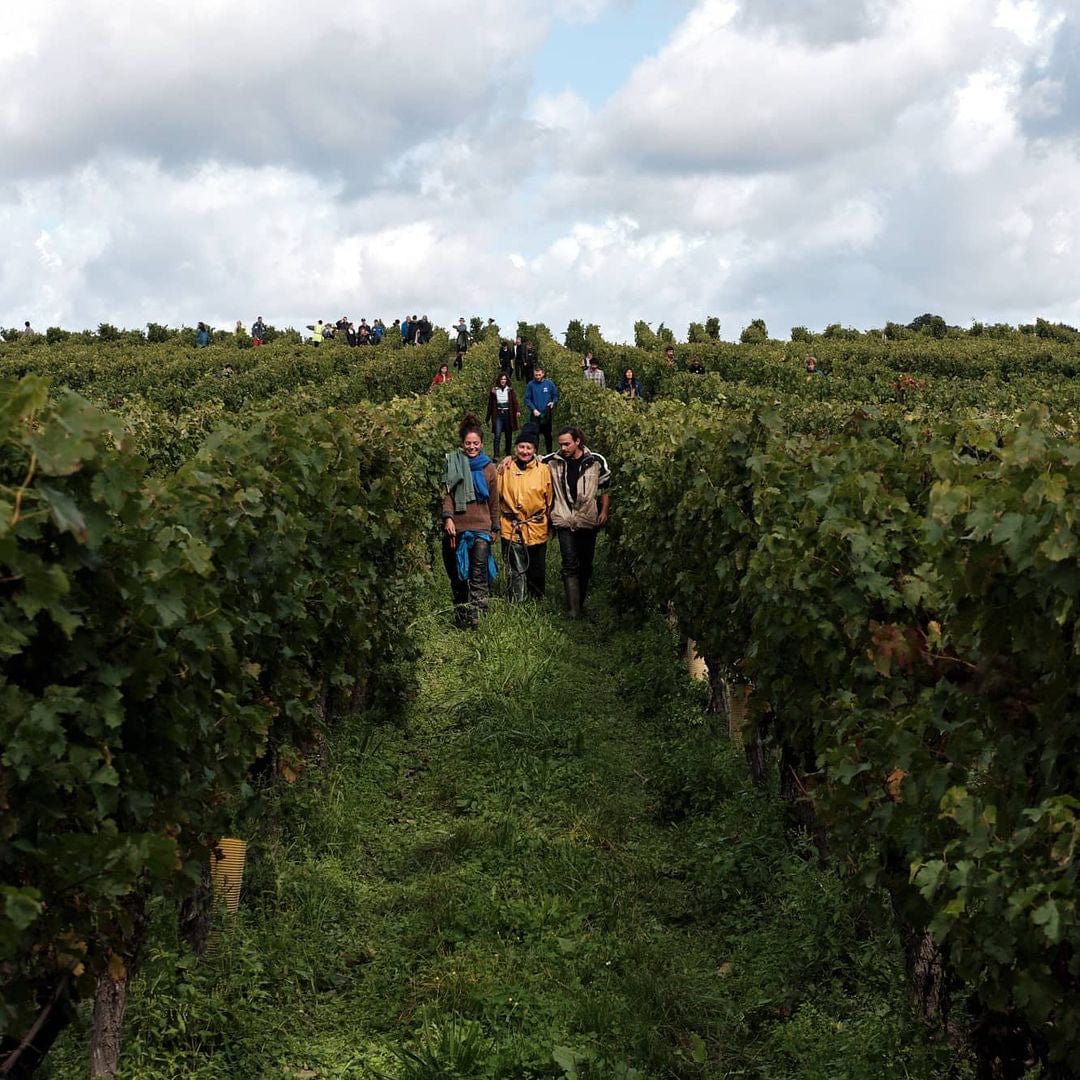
x=572 y=585
x=516 y=562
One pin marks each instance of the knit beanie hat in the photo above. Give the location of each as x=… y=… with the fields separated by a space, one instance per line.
x=530 y=433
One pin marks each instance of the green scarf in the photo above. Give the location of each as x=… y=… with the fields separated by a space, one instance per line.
x=457 y=479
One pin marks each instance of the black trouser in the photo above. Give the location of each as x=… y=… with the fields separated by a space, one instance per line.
x=578 y=549
x=470 y=597
x=519 y=367
x=543 y=421
x=526 y=569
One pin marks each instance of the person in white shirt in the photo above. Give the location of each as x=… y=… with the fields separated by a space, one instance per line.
x=503 y=410
x=594 y=374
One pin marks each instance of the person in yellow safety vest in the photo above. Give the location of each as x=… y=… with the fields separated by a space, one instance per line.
x=526 y=495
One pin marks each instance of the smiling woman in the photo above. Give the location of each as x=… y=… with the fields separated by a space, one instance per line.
x=470 y=516
x=526 y=496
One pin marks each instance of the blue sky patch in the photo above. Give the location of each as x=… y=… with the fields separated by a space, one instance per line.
x=594 y=59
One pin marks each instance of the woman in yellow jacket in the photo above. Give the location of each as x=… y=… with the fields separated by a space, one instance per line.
x=526 y=494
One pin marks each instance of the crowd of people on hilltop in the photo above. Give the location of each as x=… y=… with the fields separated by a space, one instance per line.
x=412 y=329
x=353 y=334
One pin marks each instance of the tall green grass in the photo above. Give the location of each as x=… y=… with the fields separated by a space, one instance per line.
x=555 y=867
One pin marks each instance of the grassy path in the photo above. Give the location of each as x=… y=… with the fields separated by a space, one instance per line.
x=554 y=868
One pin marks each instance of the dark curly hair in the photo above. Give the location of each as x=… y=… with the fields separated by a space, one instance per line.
x=469 y=423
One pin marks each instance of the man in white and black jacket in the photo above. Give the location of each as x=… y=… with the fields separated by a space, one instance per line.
x=581 y=479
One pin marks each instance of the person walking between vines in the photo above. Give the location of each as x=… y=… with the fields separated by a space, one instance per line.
x=629 y=387
x=520 y=353
x=470 y=518
x=526 y=495
x=541 y=397
x=594 y=374
x=503 y=410
x=581 y=505
x=506 y=357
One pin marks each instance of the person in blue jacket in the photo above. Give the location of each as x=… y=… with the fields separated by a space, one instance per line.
x=541 y=396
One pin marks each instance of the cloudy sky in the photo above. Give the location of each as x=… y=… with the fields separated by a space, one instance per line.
x=804 y=161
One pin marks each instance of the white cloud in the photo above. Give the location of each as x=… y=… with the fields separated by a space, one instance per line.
x=137 y=244
x=817 y=21
x=1042 y=99
x=564 y=112
x=580 y=11
x=983 y=125
x=808 y=162
x=325 y=85
x=719 y=97
x=1028 y=20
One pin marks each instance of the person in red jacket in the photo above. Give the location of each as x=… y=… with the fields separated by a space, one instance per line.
x=503 y=410
x=442 y=375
